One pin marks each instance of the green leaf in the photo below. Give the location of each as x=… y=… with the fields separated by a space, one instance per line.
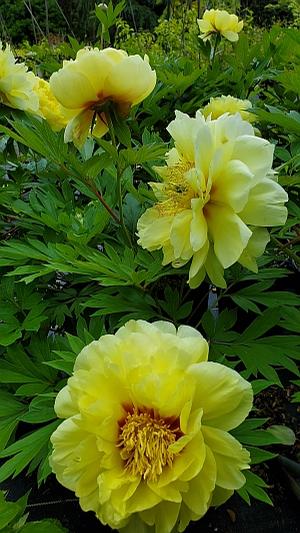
x=9 y=511
x=41 y=409
x=249 y=434
x=279 y=118
x=258 y=455
x=143 y=154
x=43 y=526
x=25 y=450
x=262 y=324
x=254 y=487
x=34 y=318
x=284 y=434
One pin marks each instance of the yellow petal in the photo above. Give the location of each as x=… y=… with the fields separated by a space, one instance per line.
x=198 y=235
x=225 y=397
x=65 y=405
x=63 y=84
x=220 y=496
x=79 y=128
x=230 y=35
x=201 y=486
x=229 y=233
x=183 y=130
x=131 y=81
x=180 y=235
x=166 y=515
x=230 y=457
x=153 y=230
x=214 y=269
x=256 y=153
x=255 y=248
x=265 y=205
x=233 y=185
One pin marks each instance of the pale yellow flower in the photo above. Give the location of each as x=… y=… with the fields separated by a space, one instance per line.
x=228 y=104
x=16 y=84
x=95 y=78
x=217 y=197
x=146 y=438
x=49 y=107
x=221 y=22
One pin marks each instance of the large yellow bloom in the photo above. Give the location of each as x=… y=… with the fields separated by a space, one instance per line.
x=145 y=440
x=228 y=104
x=49 y=107
x=16 y=84
x=219 y=21
x=217 y=196
x=95 y=78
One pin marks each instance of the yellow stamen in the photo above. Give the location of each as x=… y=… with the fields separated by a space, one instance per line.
x=177 y=190
x=144 y=443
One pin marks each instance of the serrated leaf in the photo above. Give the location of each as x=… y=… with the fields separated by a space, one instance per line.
x=258 y=455
x=25 y=450
x=254 y=487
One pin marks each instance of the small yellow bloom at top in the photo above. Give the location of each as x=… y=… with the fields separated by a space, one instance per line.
x=49 y=108
x=219 y=21
x=96 y=78
x=228 y=104
x=16 y=84
x=146 y=432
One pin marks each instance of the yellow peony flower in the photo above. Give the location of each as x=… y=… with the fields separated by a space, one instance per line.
x=146 y=438
x=16 y=84
x=95 y=78
x=49 y=108
x=221 y=22
x=217 y=196
x=228 y=104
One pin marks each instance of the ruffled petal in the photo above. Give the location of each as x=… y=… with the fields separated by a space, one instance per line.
x=214 y=269
x=233 y=185
x=229 y=233
x=198 y=497
x=180 y=235
x=198 y=226
x=265 y=205
x=230 y=457
x=225 y=397
x=183 y=130
x=153 y=230
x=256 y=153
x=255 y=248
x=119 y=84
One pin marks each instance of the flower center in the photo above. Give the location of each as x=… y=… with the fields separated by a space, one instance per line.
x=144 y=442
x=177 y=190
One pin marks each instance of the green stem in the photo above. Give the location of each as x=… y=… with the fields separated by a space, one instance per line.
x=214 y=50
x=286 y=250
x=103 y=202
x=119 y=180
x=96 y=192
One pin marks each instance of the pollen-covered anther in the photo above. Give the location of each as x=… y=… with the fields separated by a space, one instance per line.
x=177 y=191
x=144 y=443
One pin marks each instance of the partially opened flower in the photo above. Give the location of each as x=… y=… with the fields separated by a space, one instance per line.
x=216 y=199
x=228 y=104
x=49 y=107
x=145 y=440
x=16 y=84
x=96 y=78
x=216 y=21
